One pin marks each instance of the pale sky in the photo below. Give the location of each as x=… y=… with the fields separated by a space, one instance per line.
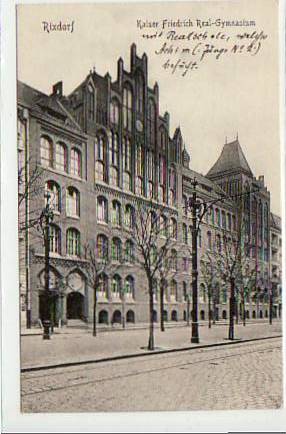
x=235 y=94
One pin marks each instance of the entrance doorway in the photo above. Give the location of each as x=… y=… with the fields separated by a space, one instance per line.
x=75 y=305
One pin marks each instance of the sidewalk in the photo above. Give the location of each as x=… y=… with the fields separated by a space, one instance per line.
x=81 y=347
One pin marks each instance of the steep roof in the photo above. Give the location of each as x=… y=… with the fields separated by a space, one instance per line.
x=275 y=221
x=231 y=158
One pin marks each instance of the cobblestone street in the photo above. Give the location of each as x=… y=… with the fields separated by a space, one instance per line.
x=245 y=375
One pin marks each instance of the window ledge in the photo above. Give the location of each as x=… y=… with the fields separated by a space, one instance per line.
x=75 y=217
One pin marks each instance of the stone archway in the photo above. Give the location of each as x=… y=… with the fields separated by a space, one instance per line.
x=75 y=305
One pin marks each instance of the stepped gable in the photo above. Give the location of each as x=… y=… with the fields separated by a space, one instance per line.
x=231 y=159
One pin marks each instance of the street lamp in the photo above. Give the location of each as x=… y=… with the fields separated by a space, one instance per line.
x=45 y=220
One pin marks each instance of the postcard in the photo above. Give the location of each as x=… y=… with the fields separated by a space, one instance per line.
x=149 y=204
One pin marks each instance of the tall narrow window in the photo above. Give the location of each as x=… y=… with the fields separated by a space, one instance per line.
x=129 y=287
x=114 y=112
x=163 y=138
x=129 y=251
x=127 y=108
x=73 y=242
x=102 y=211
x=55 y=239
x=127 y=184
x=209 y=237
x=61 y=157
x=113 y=160
x=100 y=158
x=76 y=162
x=151 y=122
x=46 y=152
x=53 y=190
x=116 y=213
x=102 y=246
x=116 y=249
x=72 y=202
x=139 y=94
x=90 y=102
x=116 y=286
x=223 y=217
x=129 y=216
x=103 y=285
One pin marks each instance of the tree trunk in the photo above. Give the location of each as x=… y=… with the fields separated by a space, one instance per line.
x=162 y=307
x=209 y=308
x=151 y=317
x=243 y=309
x=236 y=311
x=231 y=310
x=94 y=312
x=214 y=310
x=270 y=308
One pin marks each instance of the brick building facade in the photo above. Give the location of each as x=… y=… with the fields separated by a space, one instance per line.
x=100 y=150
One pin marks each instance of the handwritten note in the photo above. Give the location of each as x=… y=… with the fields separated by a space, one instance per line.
x=184 y=45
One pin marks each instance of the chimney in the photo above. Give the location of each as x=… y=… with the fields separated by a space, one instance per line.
x=58 y=88
x=133 y=56
x=120 y=71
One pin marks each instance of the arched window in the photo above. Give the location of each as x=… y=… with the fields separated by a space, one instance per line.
x=116 y=213
x=127 y=108
x=90 y=102
x=76 y=162
x=129 y=251
x=53 y=191
x=173 y=228
x=102 y=246
x=151 y=121
x=100 y=158
x=116 y=286
x=185 y=205
x=116 y=249
x=46 y=152
x=150 y=172
x=185 y=233
x=103 y=285
x=114 y=112
x=55 y=239
x=209 y=237
x=173 y=290
x=73 y=242
x=139 y=186
x=129 y=287
x=129 y=216
x=185 y=291
x=72 y=204
x=185 y=264
x=61 y=157
x=102 y=209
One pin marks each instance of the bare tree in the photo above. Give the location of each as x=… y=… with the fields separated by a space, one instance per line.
x=97 y=264
x=30 y=187
x=144 y=226
x=211 y=277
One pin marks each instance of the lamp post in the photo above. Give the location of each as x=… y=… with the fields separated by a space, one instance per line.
x=46 y=218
